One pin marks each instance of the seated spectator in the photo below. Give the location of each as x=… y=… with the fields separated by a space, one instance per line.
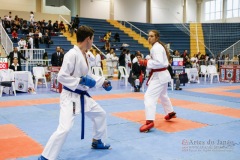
x=107 y=36
x=55 y=27
x=137 y=74
x=62 y=26
x=15 y=66
x=25 y=28
x=45 y=57
x=16 y=54
x=170 y=68
x=14 y=36
x=47 y=40
x=116 y=37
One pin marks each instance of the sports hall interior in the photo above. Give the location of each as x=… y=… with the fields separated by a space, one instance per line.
x=207 y=126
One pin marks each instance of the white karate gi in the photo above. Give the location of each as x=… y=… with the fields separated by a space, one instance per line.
x=74 y=66
x=91 y=59
x=98 y=60
x=127 y=60
x=109 y=60
x=158 y=83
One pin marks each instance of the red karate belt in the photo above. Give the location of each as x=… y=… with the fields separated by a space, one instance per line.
x=155 y=70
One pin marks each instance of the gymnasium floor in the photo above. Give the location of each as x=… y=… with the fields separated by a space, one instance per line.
x=207 y=126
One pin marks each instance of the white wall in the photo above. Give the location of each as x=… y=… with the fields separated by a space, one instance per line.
x=99 y=9
x=130 y=10
x=18 y=5
x=191 y=11
x=166 y=11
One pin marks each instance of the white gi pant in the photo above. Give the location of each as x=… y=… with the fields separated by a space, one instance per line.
x=66 y=121
x=154 y=91
x=110 y=70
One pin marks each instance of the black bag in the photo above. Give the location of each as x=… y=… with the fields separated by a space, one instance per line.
x=183 y=78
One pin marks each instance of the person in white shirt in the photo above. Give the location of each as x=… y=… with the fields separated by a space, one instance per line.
x=98 y=59
x=157 y=82
x=91 y=58
x=109 y=60
x=29 y=53
x=22 y=44
x=77 y=79
x=128 y=62
x=31 y=17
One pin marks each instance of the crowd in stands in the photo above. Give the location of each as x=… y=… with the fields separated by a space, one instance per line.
x=40 y=31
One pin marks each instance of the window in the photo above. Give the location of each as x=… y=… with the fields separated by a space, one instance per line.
x=233 y=8
x=213 y=10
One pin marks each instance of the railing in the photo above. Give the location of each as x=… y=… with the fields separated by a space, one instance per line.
x=232 y=50
x=5 y=40
x=29 y=64
x=34 y=58
x=132 y=26
x=36 y=54
x=61 y=17
x=140 y=31
x=218 y=62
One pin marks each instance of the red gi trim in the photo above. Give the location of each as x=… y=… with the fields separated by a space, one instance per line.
x=155 y=70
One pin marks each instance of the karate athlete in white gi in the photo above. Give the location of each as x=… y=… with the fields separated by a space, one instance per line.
x=76 y=78
x=157 y=83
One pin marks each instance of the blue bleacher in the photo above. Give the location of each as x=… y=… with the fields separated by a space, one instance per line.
x=101 y=27
x=219 y=36
x=169 y=33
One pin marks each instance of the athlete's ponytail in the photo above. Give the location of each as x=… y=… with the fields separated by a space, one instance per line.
x=157 y=35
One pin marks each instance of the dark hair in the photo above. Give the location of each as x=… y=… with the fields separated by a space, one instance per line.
x=83 y=32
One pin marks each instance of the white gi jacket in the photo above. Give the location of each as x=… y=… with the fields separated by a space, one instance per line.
x=74 y=66
x=158 y=60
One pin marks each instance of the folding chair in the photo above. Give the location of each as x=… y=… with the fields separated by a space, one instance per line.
x=7 y=80
x=39 y=73
x=97 y=71
x=124 y=74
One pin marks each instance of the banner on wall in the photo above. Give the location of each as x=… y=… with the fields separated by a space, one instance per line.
x=3 y=63
x=55 y=85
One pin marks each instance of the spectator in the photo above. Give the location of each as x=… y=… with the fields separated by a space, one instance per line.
x=170 y=67
x=55 y=27
x=22 y=44
x=91 y=58
x=57 y=57
x=16 y=54
x=76 y=22
x=116 y=37
x=15 y=66
x=36 y=39
x=14 y=36
x=128 y=63
x=25 y=28
x=31 y=17
x=107 y=46
x=45 y=57
x=107 y=36
x=137 y=74
x=62 y=26
x=121 y=60
x=98 y=59
x=47 y=40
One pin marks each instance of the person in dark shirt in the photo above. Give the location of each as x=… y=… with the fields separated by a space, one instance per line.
x=16 y=54
x=15 y=66
x=137 y=74
x=57 y=57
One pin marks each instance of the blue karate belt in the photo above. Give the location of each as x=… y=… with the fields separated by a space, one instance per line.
x=82 y=93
